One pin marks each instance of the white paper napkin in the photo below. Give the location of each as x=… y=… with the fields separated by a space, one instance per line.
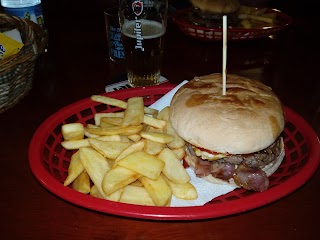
x=206 y=190
x=166 y=99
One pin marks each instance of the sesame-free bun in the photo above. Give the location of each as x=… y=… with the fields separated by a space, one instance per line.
x=217 y=6
x=247 y=119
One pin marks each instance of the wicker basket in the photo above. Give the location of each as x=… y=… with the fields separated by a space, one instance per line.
x=17 y=71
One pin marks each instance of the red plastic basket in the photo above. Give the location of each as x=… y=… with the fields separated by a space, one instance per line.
x=49 y=163
x=215 y=34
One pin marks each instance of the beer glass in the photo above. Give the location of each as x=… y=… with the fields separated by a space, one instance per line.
x=115 y=47
x=143 y=25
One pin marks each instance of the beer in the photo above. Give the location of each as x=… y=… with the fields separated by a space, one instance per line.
x=143 y=47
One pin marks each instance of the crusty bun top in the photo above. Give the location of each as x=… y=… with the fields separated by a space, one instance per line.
x=217 y=6
x=247 y=119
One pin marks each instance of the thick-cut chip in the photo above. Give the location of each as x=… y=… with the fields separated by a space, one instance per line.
x=116 y=121
x=119 y=103
x=134 y=137
x=150 y=111
x=82 y=183
x=153 y=129
x=72 y=131
x=117 y=178
x=154 y=122
x=136 y=195
x=158 y=190
x=177 y=141
x=125 y=138
x=75 y=168
x=152 y=147
x=136 y=183
x=76 y=144
x=89 y=134
x=112 y=197
x=121 y=130
x=94 y=191
x=95 y=165
x=143 y=163
x=260 y=18
x=173 y=168
x=109 y=149
x=135 y=147
x=184 y=191
x=157 y=137
x=89 y=125
x=164 y=114
x=134 y=113
x=115 y=196
x=180 y=152
x=106 y=125
x=110 y=138
x=109 y=101
x=98 y=116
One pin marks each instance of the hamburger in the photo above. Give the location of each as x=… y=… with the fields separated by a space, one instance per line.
x=233 y=138
x=209 y=13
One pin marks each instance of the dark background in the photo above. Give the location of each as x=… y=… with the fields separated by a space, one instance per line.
x=91 y=15
x=76 y=33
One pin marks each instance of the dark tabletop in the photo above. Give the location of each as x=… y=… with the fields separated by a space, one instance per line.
x=77 y=66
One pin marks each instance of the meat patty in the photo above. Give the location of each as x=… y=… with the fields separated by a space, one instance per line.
x=245 y=169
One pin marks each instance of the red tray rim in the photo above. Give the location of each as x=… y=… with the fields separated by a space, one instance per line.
x=167 y=213
x=288 y=20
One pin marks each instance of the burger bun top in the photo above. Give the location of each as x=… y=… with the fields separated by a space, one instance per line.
x=247 y=119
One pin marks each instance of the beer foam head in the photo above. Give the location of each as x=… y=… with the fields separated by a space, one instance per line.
x=146 y=28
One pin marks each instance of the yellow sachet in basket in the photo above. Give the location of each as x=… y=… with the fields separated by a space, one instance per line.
x=8 y=46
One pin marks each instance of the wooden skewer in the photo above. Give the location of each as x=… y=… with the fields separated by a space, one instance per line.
x=224 y=54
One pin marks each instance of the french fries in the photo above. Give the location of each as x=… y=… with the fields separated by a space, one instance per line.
x=95 y=165
x=157 y=137
x=72 y=131
x=134 y=113
x=109 y=149
x=256 y=17
x=136 y=195
x=184 y=191
x=154 y=122
x=109 y=121
x=82 y=183
x=131 y=156
x=152 y=147
x=251 y=17
x=98 y=116
x=135 y=147
x=76 y=144
x=143 y=163
x=119 y=103
x=177 y=141
x=173 y=168
x=114 y=130
x=158 y=190
x=117 y=178
x=75 y=168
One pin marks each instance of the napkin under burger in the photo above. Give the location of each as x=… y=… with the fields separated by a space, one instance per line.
x=233 y=138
